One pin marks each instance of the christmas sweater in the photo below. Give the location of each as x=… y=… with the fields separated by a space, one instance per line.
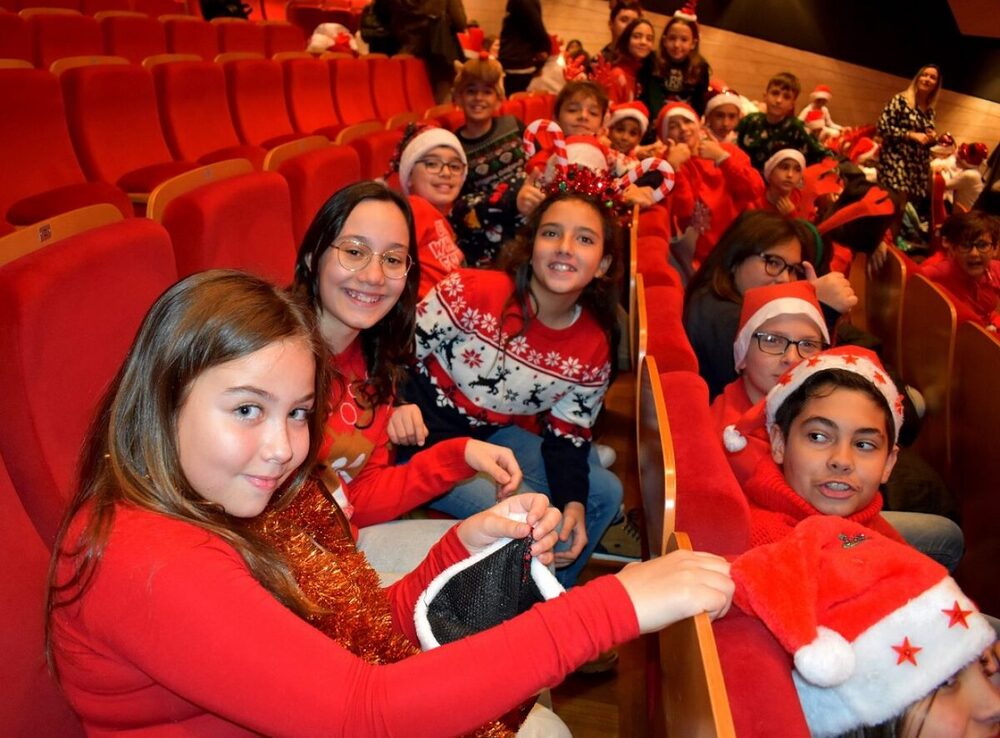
x=708 y=196
x=977 y=300
x=175 y=637
x=485 y=214
x=775 y=508
x=356 y=455
x=475 y=373
x=437 y=251
x=759 y=138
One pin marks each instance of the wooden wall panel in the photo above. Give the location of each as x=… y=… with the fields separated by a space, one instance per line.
x=747 y=63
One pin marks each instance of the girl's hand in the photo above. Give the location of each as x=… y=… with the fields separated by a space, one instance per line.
x=784 y=205
x=641 y=196
x=529 y=196
x=497 y=461
x=677 y=155
x=656 y=149
x=483 y=529
x=921 y=138
x=677 y=586
x=832 y=288
x=713 y=150
x=575 y=526
x=406 y=426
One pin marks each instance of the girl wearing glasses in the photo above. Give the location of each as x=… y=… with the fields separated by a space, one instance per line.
x=355 y=268
x=970 y=272
x=758 y=249
x=432 y=167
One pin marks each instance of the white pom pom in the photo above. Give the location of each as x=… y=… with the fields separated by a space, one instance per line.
x=733 y=440
x=827 y=661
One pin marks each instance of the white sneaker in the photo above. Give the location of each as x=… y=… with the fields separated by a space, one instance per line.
x=606 y=455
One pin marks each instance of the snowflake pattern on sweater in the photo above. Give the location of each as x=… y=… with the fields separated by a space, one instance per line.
x=491 y=375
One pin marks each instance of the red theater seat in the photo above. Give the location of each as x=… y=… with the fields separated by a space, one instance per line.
x=257 y=102
x=115 y=127
x=156 y=8
x=387 y=87
x=68 y=313
x=313 y=177
x=191 y=36
x=351 y=90
x=419 y=95
x=133 y=36
x=91 y=7
x=30 y=702
x=239 y=35
x=194 y=112
x=57 y=36
x=513 y=107
x=307 y=89
x=279 y=37
x=535 y=107
x=48 y=4
x=41 y=176
x=375 y=151
x=242 y=222
x=15 y=38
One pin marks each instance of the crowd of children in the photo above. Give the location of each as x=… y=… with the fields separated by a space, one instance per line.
x=451 y=347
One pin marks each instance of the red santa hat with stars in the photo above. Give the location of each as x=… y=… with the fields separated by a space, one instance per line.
x=848 y=358
x=873 y=625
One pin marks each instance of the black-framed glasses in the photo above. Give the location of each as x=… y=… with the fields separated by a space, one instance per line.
x=775 y=266
x=355 y=255
x=771 y=343
x=436 y=166
x=982 y=245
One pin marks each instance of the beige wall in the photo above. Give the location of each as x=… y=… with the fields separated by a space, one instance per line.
x=746 y=63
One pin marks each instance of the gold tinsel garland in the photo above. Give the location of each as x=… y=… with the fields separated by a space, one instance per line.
x=314 y=537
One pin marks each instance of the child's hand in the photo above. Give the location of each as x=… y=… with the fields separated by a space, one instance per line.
x=677 y=155
x=483 y=529
x=406 y=426
x=641 y=196
x=529 y=196
x=876 y=260
x=677 y=586
x=575 y=526
x=657 y=149
x=832 y=289
x=713 y=150
x=784 y=205
x=497 y=461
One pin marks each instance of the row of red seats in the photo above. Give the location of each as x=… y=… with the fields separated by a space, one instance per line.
x=90 y=7
x=42 y=38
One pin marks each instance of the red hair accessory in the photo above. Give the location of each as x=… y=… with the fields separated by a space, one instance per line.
x=875 y=202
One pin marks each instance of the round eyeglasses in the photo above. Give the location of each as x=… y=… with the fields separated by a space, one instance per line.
x=775 y=266
x=982 y=245
x=436 y=166
x=776 y=345
x=354 y=256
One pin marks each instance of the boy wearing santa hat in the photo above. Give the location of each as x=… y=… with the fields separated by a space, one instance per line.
x=783 y=177
x=816 y=115
x=723 y=112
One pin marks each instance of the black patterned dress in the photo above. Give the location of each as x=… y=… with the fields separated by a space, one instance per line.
x=904 y=164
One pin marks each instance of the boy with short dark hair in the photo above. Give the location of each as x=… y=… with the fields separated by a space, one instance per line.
x=763 y=134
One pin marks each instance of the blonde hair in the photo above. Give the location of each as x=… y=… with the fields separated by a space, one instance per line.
x=910 y=93
x=484 y=71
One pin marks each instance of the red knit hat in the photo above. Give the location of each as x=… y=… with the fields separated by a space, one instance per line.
x=634 y=110
x=671 y=109
x=760 y=304
x=822 y=92
x=849 y=358
x=873 y=625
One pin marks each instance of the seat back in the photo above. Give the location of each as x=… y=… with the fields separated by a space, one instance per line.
x=48 y=4
x=657 y=468
x=884 y=304
x=243 y=222
x=30 y=704
x=313 y=177
x=68 y=313
x=113 y=120
x=535 y=107
x=194 y=109
x=15 y=38
x=375 y=151
x=859 y=282
x=133 y=36
x=513 y=107
x=35 y=145
x=92 y=7
x=928 y=350
x=279 y=37
x=57 y=35
x=191 y=36
x=419 y=95
x=29 y=239
x=307 y=89
x=239 y=35
x=156 y=8
x=351 y=90
x=387 y=87
x=257 y=101
x=975 y=407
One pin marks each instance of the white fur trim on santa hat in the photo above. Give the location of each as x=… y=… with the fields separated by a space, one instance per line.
x=772 y=309
x=629 y=110
x=724 y=98
x=587 y=154
x=780 y=156
x=822 y=92
x=419 y=145
x=884 y=682
x=828 y=660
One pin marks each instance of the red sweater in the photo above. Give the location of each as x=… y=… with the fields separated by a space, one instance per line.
x=174 y=637
x=708 y=196
x=775 y=508
x=975 y=299
x=437 y=251
x=357 y=454
x=729 y=407
x=762 y=203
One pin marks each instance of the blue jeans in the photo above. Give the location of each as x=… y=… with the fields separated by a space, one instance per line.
x=933 y=535
x=480 y=493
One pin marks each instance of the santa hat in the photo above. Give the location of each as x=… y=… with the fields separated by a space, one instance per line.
x=873 y=625
x=331 y=37
x=944 y=145
x=587 y=151
x=973 y=154
x=724 y=97
x=419 y=144
x=822 y=92
x=815 y=119
x=634 y=110
x=864 y=149
x=689 y=12
x=760 y=304
x=779 y=157
x=669 y=111
x=471 y=41
x=853 y=359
